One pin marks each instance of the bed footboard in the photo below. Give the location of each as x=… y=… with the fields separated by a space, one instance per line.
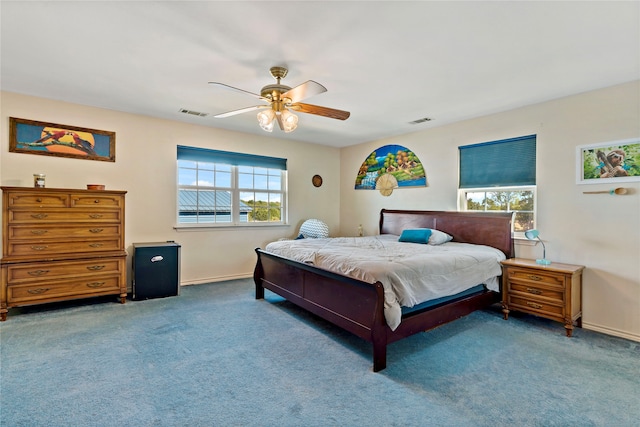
x=353 y=305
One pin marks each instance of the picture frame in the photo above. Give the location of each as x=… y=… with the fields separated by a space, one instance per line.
x=50 y=139
x=608 y=162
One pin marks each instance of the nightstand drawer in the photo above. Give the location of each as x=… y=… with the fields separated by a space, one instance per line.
x=536 y=306
x=551 y=292
x=535 y=277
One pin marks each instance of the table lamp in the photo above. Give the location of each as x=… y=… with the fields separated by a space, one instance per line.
x=533 y=235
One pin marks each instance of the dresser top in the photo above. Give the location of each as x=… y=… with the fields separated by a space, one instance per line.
x=59 y=190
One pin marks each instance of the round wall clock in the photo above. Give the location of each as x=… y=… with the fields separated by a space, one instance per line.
x=317 y=180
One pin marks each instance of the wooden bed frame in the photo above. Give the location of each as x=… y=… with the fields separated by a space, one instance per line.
x=357 y=306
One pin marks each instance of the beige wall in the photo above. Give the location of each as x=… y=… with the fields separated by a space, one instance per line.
x=145 y=166
x=599 y=231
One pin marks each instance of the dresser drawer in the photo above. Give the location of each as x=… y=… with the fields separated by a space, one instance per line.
x=66 y=215
x=535 y=277
x=30 y=199
x=536 y=306
x=551 y=292
x=21 y=273
x=43 y=249
x=52 y=290
x=40 y=232
x=96 y=200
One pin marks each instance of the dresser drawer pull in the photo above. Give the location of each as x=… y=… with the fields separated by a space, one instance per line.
x=38 y=232
x=39 y=216
x=534 y=305
x=96 y=201
x=534 y=291
x=96 y=230
x=95 y=267
x=39 y=248
x=95 y=245
x=38 y=272
x=95 y=284
x=95 y=216
x=38 y=291
x=39 y=200
x=532 y=277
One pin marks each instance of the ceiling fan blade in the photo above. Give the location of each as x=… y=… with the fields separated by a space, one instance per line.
x=304 y=91
x=237 y=90
x=240 y=111
x=320 y=111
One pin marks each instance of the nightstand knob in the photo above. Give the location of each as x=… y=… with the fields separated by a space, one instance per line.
x=532 y=277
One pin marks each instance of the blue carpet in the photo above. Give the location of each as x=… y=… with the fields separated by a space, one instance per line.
x=214 y=356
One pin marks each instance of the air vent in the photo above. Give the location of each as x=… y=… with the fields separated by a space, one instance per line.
x=426 y=119
x=193 y=113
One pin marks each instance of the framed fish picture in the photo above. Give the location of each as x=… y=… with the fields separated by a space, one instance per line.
x=49 y=139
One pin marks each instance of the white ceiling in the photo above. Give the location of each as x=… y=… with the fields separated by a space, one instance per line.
x=387 y=62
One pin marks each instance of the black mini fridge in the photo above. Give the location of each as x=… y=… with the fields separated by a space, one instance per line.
x=156 y=270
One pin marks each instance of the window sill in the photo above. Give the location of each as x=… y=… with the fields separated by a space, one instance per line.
x=198 y=227
x=523 y=241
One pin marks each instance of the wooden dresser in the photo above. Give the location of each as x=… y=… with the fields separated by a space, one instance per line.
x=61 y=244
x=553 y=291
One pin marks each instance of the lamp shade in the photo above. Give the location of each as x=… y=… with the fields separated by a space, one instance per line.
x=531 y=234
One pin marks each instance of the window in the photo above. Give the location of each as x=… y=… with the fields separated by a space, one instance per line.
x=500 y=176
x=233 y=189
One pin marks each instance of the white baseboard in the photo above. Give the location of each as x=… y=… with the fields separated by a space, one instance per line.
x=609 y=331
x=215 y=279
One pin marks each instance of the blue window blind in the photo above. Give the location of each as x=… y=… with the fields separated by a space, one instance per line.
x=504 y=163
x=229 y=158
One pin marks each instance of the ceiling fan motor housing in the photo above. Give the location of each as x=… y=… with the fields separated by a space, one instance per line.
x=273 y=92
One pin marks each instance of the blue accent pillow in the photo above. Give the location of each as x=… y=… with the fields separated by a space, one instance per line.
x=415 y=235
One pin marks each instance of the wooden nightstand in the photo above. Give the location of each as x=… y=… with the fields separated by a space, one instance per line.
x=553 y=291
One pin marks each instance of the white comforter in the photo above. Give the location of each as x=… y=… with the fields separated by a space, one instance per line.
x=411 y=273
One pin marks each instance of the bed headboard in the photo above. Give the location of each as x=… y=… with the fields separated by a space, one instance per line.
x=481 y=228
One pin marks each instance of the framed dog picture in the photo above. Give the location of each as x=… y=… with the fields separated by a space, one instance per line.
x=49 y=139
x=608 y=162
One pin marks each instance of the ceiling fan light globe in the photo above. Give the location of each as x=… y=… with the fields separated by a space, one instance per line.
x=289 y=121
x=266 y=119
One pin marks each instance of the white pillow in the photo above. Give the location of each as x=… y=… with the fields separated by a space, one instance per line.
x=438 y=237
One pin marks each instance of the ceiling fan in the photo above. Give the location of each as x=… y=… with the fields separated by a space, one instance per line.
x=282 y=101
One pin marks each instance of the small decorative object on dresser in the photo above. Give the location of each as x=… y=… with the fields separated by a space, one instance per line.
x=60 y=244
x=553 y=291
